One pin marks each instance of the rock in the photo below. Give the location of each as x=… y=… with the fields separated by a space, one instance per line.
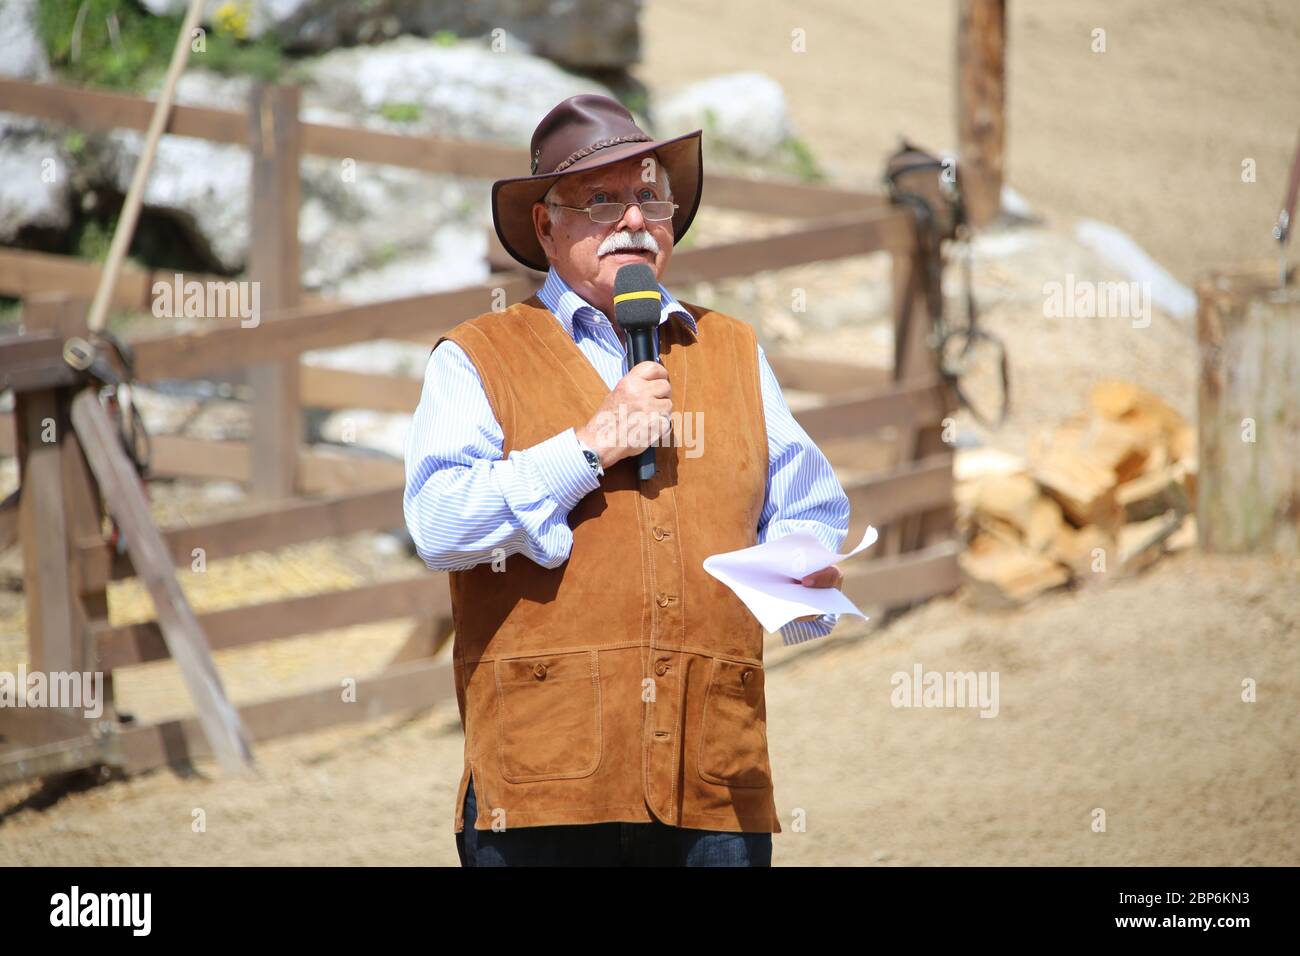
x=362 y=428
x=204 y=185
x=364 y=222
x=35 y=178
x=224 y=492
x=451 y=259
x=379 y=357
x=164 y=414
x=744 y=112
x=379 y=217
x=1016 y=208
x=1121 y=252
x=34 y=171
x=384 y=231
x=388 y=545
x=465 y=90
x=21 y=53
x=368 y=231
x=589 y=34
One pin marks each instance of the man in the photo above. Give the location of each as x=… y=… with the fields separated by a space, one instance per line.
x=610 y=689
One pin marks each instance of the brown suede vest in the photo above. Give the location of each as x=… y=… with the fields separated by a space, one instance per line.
x=627 y=681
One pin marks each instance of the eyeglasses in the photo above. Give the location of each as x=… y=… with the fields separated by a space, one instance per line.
x=656 y=210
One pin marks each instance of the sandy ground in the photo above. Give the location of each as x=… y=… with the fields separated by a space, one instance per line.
x=1128 y=701
x=1149 y=136
x=1124 y=697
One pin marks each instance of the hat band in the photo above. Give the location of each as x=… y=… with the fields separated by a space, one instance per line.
x=599 y=144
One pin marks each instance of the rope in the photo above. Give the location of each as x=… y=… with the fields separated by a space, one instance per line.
x=130 y=214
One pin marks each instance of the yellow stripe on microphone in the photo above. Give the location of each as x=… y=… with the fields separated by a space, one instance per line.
x=636 y=295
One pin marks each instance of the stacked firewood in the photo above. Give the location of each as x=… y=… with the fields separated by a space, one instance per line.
x=1104 y=494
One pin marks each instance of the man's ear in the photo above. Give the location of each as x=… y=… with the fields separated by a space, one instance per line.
x=543 y=224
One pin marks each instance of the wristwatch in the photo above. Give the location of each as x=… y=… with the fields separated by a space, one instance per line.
x=592 y=459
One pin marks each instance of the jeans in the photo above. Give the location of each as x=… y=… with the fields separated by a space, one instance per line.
x=607 y=844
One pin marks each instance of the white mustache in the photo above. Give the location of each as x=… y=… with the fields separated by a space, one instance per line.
x=618 y=241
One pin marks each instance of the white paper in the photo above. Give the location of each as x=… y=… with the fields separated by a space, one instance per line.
x=766 y=577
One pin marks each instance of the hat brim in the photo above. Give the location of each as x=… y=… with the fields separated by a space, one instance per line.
x=513 y=199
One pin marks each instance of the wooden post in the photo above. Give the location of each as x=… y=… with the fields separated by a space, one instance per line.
x=56 y=638
x=275 y=143
x=910 y=323
x=915 y=362
x=40 y=419
x=58 y=508
x=152 y=562
x=1248 y=485
x=426 y=638
x=981 y=117
x=85 y=508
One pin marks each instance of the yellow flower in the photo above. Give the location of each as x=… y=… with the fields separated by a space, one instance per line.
x=232 y=19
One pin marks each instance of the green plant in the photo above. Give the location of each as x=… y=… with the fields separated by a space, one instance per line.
x=400 y=112
x=11 y=311
x=803 y=164
x=445 y=38
x=634 y=100
x=74 y=142
x=385 y=254
x=260 y=58
x=93 y=239
x=115 y=43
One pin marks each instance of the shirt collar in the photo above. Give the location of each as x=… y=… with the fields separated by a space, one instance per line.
x=558 y=296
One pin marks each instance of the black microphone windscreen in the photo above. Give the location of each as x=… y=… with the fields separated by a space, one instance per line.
x=637 y=301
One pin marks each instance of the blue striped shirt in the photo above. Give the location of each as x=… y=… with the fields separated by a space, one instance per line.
x=465 y=505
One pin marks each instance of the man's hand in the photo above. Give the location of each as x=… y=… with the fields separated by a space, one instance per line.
x=644 y=398
x=828 y=577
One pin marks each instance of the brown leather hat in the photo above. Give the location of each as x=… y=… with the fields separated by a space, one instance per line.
x=585 y=132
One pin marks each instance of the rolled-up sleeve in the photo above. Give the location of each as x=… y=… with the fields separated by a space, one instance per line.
x=803 y=493
x=464 y=504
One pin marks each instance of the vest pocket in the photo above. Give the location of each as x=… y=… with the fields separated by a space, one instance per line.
x=733 y=727
x=548 y=716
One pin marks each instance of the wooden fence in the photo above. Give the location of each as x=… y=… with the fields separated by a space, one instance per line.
x=305 y=494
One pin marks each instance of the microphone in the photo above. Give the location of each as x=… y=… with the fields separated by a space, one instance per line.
x=637 y=305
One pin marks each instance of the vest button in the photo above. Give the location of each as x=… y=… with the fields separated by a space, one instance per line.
x=663 y=599
x=539 y=671
x=744 y=676
x=661 y=533
x=661 y=668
